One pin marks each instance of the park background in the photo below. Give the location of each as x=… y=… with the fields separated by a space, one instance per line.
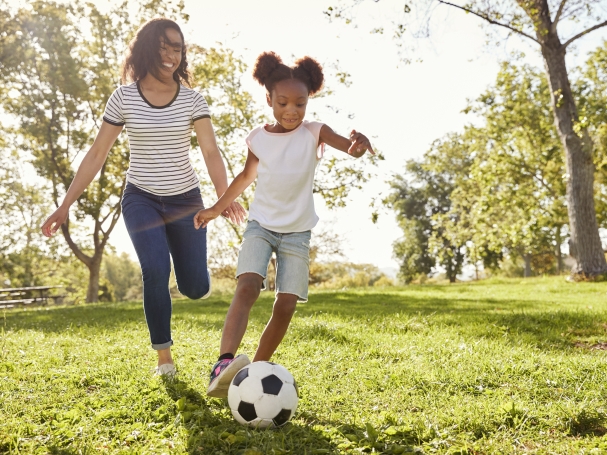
x=411 y=94
x=444 y=316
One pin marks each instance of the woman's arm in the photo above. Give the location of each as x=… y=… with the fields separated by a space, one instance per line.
x=236 y=188
x=215 y=166
x=356 y=146
x=88 y=169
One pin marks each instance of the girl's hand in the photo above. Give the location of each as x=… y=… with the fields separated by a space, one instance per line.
x=360 y=144
x=235 y=213
x=52 y=223
x=204 y=216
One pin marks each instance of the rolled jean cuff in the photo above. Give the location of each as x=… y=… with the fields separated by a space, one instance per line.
x=160 y=347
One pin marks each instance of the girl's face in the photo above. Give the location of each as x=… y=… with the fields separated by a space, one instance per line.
x=170 y=52
x=288 y=101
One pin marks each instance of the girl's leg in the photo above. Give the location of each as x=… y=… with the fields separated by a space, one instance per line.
x=146 y=227
x=292 y=272
x=237 y=319
x=226 y=367
x=284 y=308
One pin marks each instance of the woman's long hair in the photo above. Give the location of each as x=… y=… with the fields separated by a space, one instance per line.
x=143 y=54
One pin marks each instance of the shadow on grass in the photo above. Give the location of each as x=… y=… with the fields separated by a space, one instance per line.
x=531 y=321
x=210 y=426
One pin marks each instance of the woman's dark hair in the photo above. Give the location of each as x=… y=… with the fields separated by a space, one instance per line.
x=143 y=54
x=269 y=70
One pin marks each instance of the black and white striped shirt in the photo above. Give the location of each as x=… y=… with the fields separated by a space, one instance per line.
x=159 y=137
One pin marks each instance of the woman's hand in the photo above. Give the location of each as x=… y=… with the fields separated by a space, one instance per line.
x=52 y=223
x=360 y=144
x=205 y=216
x=235 y=213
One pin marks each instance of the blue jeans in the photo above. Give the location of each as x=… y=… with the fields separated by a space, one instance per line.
x=161 y=228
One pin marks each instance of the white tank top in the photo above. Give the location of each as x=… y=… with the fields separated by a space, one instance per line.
x=283 y=199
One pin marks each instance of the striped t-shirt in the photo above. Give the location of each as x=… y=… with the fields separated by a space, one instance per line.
x=159 y=137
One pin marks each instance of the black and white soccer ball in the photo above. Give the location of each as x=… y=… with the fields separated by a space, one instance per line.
x=262 y=395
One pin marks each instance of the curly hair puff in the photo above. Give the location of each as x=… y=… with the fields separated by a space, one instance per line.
x=269 y=70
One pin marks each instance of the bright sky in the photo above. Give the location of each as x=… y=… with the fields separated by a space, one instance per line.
x=402 y=107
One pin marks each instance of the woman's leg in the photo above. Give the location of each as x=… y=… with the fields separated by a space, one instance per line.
x=187 y=245
x=283 y=311
x=146 y=227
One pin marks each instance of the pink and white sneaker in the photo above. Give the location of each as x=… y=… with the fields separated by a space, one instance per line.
x=222 y=374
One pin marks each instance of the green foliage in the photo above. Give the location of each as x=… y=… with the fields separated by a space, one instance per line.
x=422 y=202
x=124 y=276
x=591 y=87
x=59 y=66
x=496 y=189
x=344 y=275
x=26 y=257
x=218 y=74
x=466 y=368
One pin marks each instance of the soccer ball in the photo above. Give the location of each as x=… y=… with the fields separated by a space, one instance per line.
x=262 y=395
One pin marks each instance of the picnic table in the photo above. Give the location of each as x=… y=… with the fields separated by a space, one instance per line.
x=10 y=297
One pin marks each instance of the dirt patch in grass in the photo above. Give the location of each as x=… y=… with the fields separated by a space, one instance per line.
x=600 y=346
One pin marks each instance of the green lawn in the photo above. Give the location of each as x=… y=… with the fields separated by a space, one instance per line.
x=506 y=366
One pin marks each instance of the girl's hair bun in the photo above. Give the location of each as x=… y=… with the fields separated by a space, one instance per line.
x=270 y=70
x=265 y=65
x=312 y=71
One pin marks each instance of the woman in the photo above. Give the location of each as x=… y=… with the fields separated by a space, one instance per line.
x=163 y=191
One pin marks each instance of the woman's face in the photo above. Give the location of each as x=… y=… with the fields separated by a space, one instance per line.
x=170 y=52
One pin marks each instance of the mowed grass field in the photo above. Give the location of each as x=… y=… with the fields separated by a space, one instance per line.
x=510 y=366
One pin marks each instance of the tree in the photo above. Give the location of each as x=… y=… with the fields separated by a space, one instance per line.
x=591 y=88
x=60 y=64
x=422 y=202
x=218 y=73
x=541 y=21
x=515 y=197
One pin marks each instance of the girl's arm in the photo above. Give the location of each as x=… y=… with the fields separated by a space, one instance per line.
x=216 y=168
x=356 y=146
x=236 y=188
x=88 y=169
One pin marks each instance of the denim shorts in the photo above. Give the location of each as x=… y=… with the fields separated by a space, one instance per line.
x=292 y=258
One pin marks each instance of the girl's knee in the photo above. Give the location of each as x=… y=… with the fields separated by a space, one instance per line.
x=249 y=285
x=285 y=305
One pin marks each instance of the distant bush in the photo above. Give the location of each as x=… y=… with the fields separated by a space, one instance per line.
x=339 y=275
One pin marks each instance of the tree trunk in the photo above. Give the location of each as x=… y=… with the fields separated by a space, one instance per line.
x=527 y=258
x=557 y=252
x=585 y=243
x=93 y=263
x=92 y=293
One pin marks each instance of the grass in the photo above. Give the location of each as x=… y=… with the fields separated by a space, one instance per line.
x=506 y=366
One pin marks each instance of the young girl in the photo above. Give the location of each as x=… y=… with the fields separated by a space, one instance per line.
x=283 y=157
x=162 y=191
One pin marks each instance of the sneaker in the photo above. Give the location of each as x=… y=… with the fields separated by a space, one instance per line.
x=167 y=370
x=222 y=374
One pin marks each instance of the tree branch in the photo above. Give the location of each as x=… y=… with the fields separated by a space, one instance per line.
x=65 y=230
x=106 y=234
x=558 y=16
x=585 y=32
x=491 y=21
